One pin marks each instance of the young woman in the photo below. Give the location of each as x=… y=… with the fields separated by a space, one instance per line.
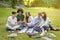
x=29 y=18
x=46 y=22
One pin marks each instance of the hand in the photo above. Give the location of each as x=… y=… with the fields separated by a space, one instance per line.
x=19 y=22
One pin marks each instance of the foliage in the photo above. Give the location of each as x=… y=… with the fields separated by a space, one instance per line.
x=34 y=3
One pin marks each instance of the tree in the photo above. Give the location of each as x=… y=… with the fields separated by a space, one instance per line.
x=57 y=5
x=16 y=3
x=13 y=3
x=37 y=3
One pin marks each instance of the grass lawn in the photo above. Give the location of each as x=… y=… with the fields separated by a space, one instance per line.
x=53 y=14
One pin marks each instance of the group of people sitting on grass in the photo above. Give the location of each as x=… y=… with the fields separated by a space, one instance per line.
x=17 y=21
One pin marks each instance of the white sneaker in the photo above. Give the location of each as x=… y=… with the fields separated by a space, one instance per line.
x=45 y=31
x=22 y=31
x=12 y=35
x=42 y=34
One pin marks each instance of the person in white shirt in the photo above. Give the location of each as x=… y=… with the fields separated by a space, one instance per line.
x=12 y=24
x=46 y=22
x=29 y=18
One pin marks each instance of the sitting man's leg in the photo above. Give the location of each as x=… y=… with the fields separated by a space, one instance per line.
x=9 y=28
x=13 y=31
x=22 y=25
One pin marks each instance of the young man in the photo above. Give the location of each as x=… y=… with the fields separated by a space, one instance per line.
x=20 y=18
x=12 y=25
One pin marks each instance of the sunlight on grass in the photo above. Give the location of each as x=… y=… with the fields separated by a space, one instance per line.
x=53 y=14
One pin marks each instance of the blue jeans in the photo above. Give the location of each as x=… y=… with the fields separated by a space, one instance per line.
x=22 y=25
x=37 y=29
x=30 y=26
x=46 y=28
x=50 y=26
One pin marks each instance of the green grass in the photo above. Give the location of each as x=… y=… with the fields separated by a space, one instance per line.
x=53 y=14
